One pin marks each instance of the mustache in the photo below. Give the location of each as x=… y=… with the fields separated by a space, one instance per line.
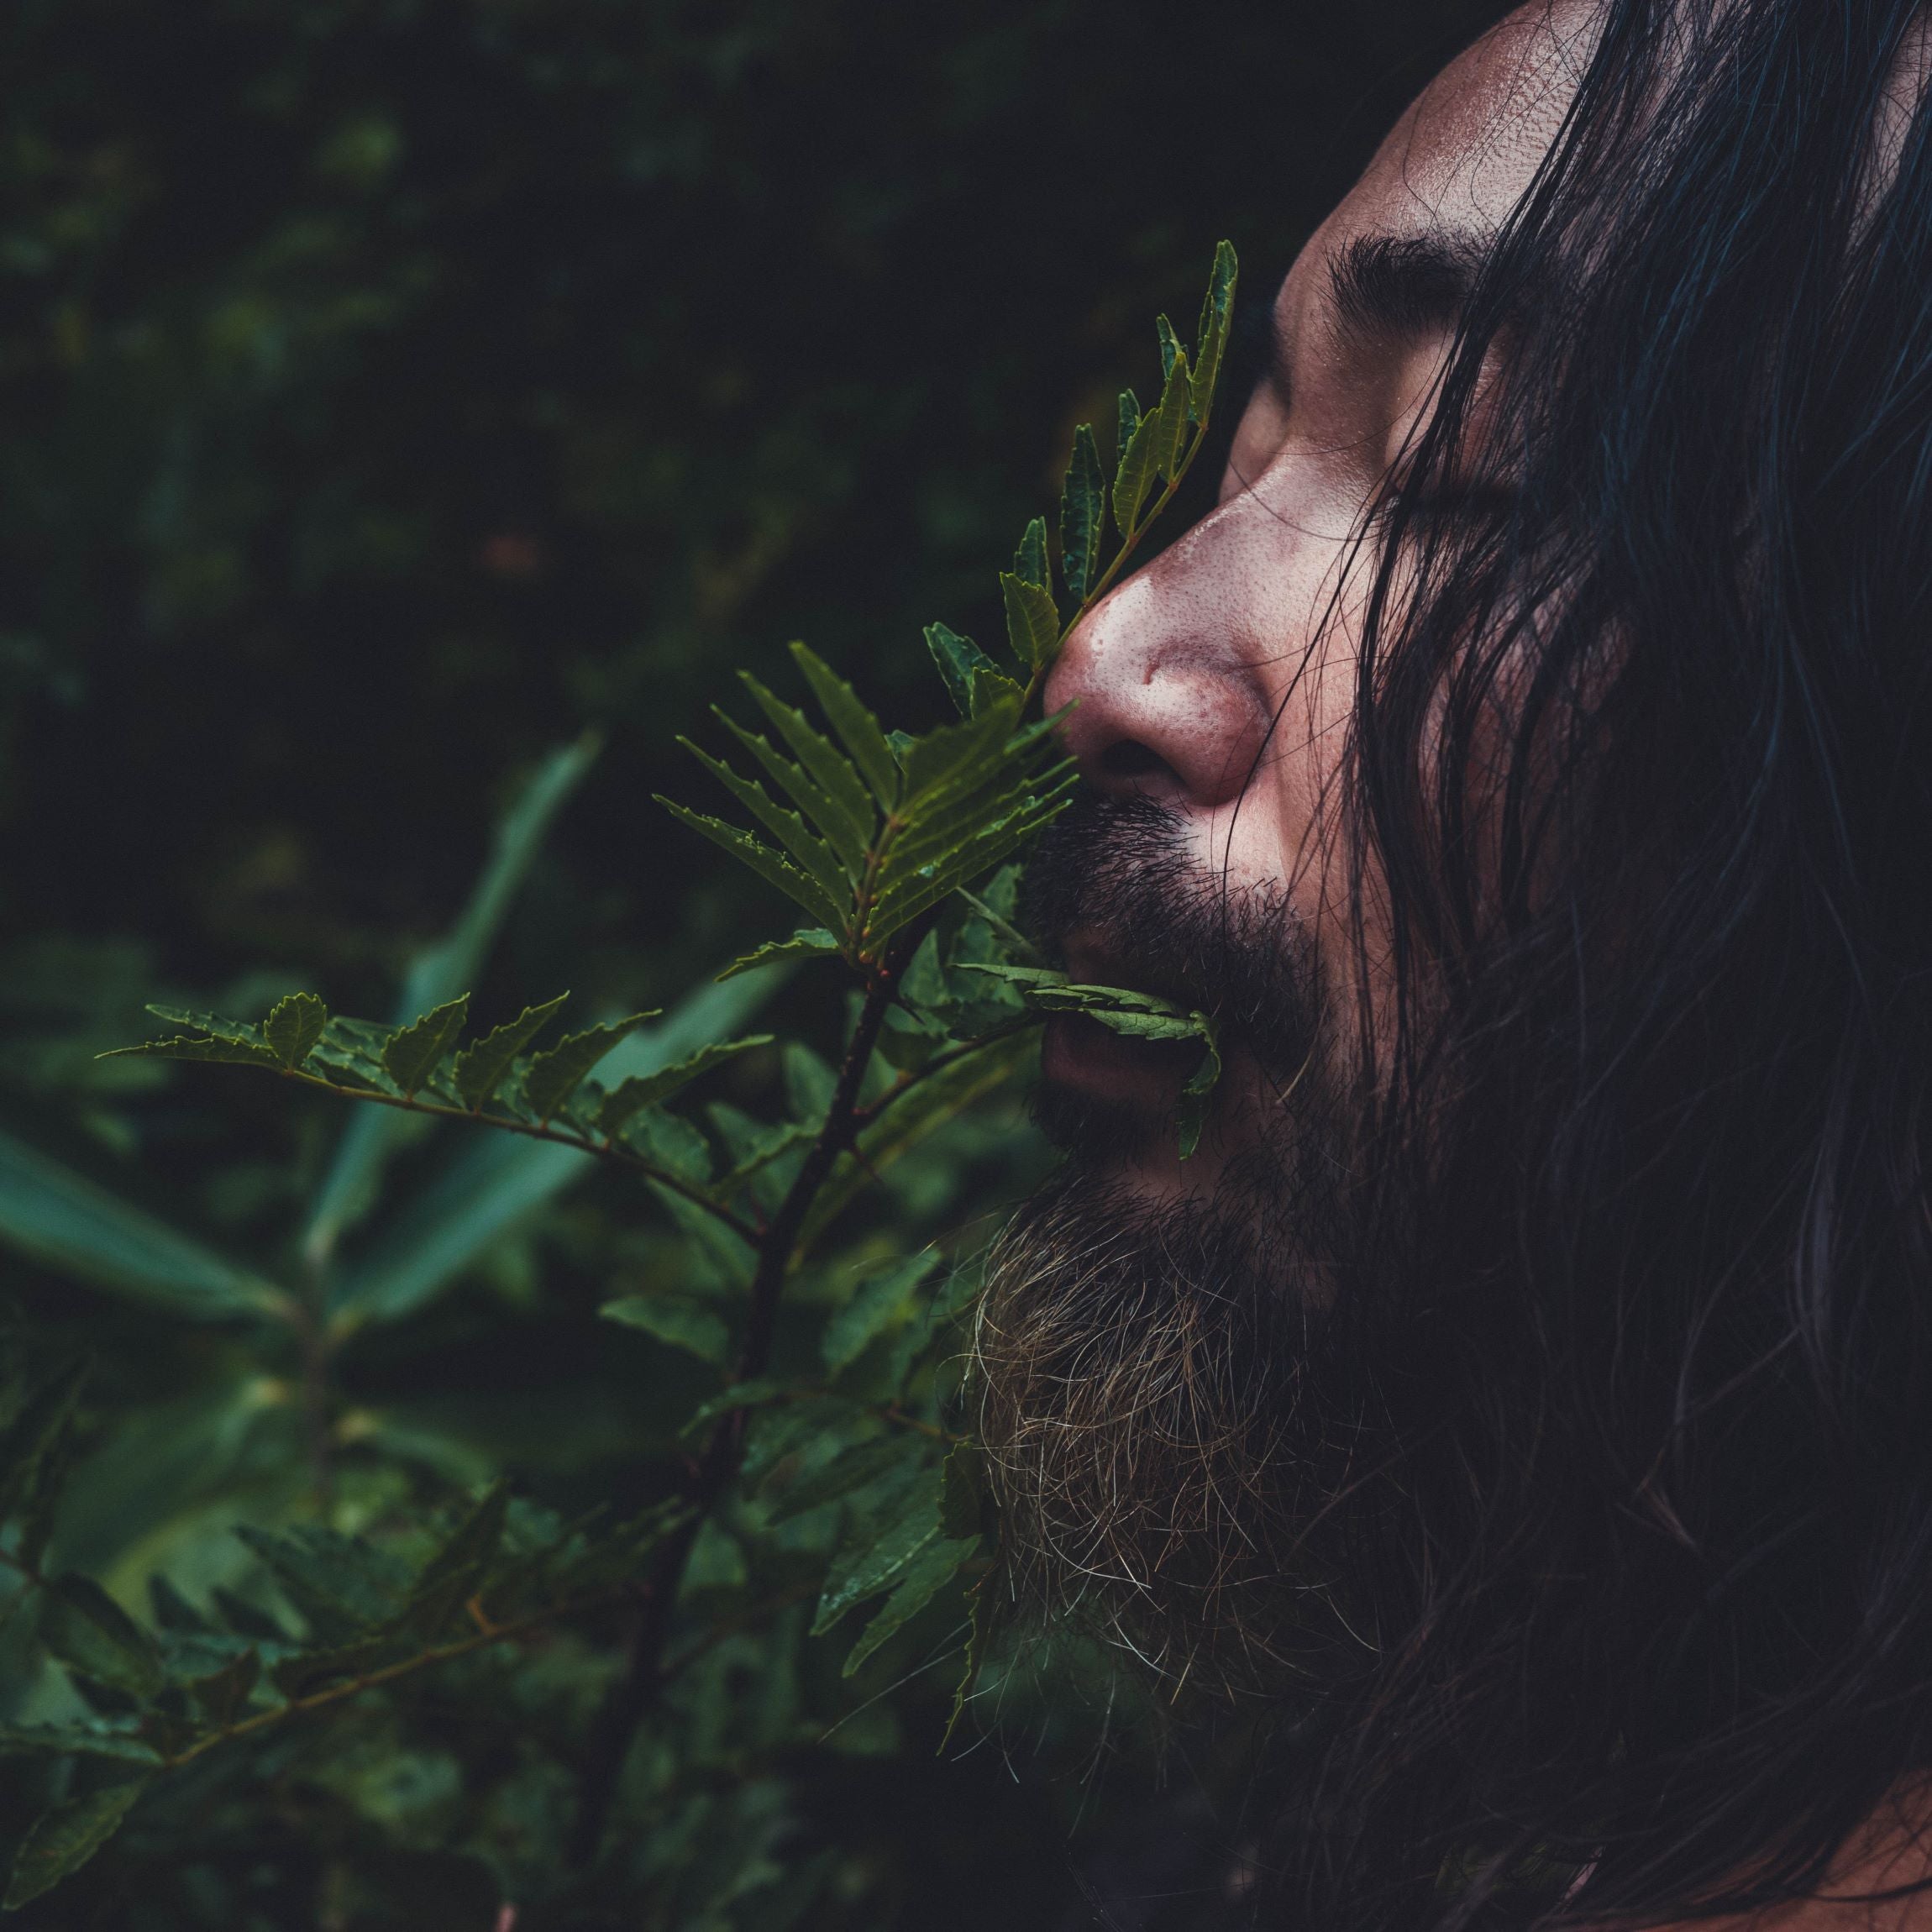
x=1115 y=876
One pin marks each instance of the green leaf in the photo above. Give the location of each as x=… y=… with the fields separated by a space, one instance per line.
x=847 y=833
x=808 y=943
x=497 y=1179
x=342 y=1585
x=962 y=1492
x=1192 y=1115
x=458 y=1570
x=551 y=1077
x=293 y=1026
x=73 y=1740
x=217 y=1049
x=685 y=1324
x=437 y=975
x=412 y=1055
x=981 y=1628
x=1170 y=421
x=901 y=1454
x=855 y=725
x=1145 y=1016
x=754 y=1394
x=65 y=1838
x=223 y=1695
x=809 y=1084
x=920 y=1580
x=768 y=865
x=907 y=1122
x=876 y=1303
x=833 y=773
x=1210 y=340
x=1083 y=516
x=719 y=1257
x=820 y=862
x=481 y=1066
x=1129 y=422
x=1171 y=350
x=89 y=1632
x=1032 y=620
x=34 y=1458
x=973 y=679
x=669 y=1141
x=33 y=1439
x=873 y=1561
x=1135 y=477
x=77 y=1228
x=172 y=1611
x=1030 y=563
x=645 y=1090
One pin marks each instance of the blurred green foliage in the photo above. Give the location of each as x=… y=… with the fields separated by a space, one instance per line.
x=389 y=392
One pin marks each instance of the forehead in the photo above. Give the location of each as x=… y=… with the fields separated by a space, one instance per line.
x=1463 y=154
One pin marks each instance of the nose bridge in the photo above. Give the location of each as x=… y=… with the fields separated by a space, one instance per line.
x=1164 y=674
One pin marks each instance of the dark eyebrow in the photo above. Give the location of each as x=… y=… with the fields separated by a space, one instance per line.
x=1400 y=285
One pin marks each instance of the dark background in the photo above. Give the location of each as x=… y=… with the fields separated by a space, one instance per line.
x=390 y=391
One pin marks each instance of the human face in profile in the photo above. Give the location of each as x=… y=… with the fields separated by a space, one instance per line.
x=1212 y=690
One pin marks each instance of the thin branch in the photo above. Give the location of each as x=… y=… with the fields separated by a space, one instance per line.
x=350 y=1687
x=1129 y=544
x=645 y=1674
x=604 y=1150
x=865 y=1116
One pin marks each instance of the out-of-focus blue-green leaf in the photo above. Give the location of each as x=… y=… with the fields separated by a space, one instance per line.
x=686 y=1324
x=89 y=1632
x=150 y=1481
x=347 y=1189
x=78 y=1227
x=876 y=1304
x=495 y=1180
x=64 y=1839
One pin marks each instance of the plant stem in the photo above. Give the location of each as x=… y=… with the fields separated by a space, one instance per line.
x=262 y=1720
x=643 y=1675
x=603 y=1150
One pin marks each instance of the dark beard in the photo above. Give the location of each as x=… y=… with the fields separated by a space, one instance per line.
x=1168 y=1411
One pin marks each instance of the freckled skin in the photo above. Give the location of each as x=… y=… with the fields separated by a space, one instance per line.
x=1230 y=658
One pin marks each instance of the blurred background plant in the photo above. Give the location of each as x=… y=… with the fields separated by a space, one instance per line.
x=390 y=392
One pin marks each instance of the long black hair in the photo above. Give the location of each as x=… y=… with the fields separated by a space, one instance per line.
x=1640 y=780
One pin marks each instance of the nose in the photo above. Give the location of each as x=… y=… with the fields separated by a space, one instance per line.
x=1162 y=674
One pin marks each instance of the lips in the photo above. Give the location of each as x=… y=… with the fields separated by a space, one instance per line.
x=1081 y=1054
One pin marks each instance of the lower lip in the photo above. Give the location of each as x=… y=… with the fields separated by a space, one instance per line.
x=1081 y=1054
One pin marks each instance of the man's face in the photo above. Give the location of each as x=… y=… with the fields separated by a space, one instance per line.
x=1218 y=682
x=1178 y=1385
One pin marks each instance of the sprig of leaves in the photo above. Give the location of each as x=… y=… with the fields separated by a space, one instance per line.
x=833 y=1477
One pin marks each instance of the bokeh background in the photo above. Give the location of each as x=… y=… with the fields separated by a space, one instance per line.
x=391 y=391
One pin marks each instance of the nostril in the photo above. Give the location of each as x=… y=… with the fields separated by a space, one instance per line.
x=1128 y=757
